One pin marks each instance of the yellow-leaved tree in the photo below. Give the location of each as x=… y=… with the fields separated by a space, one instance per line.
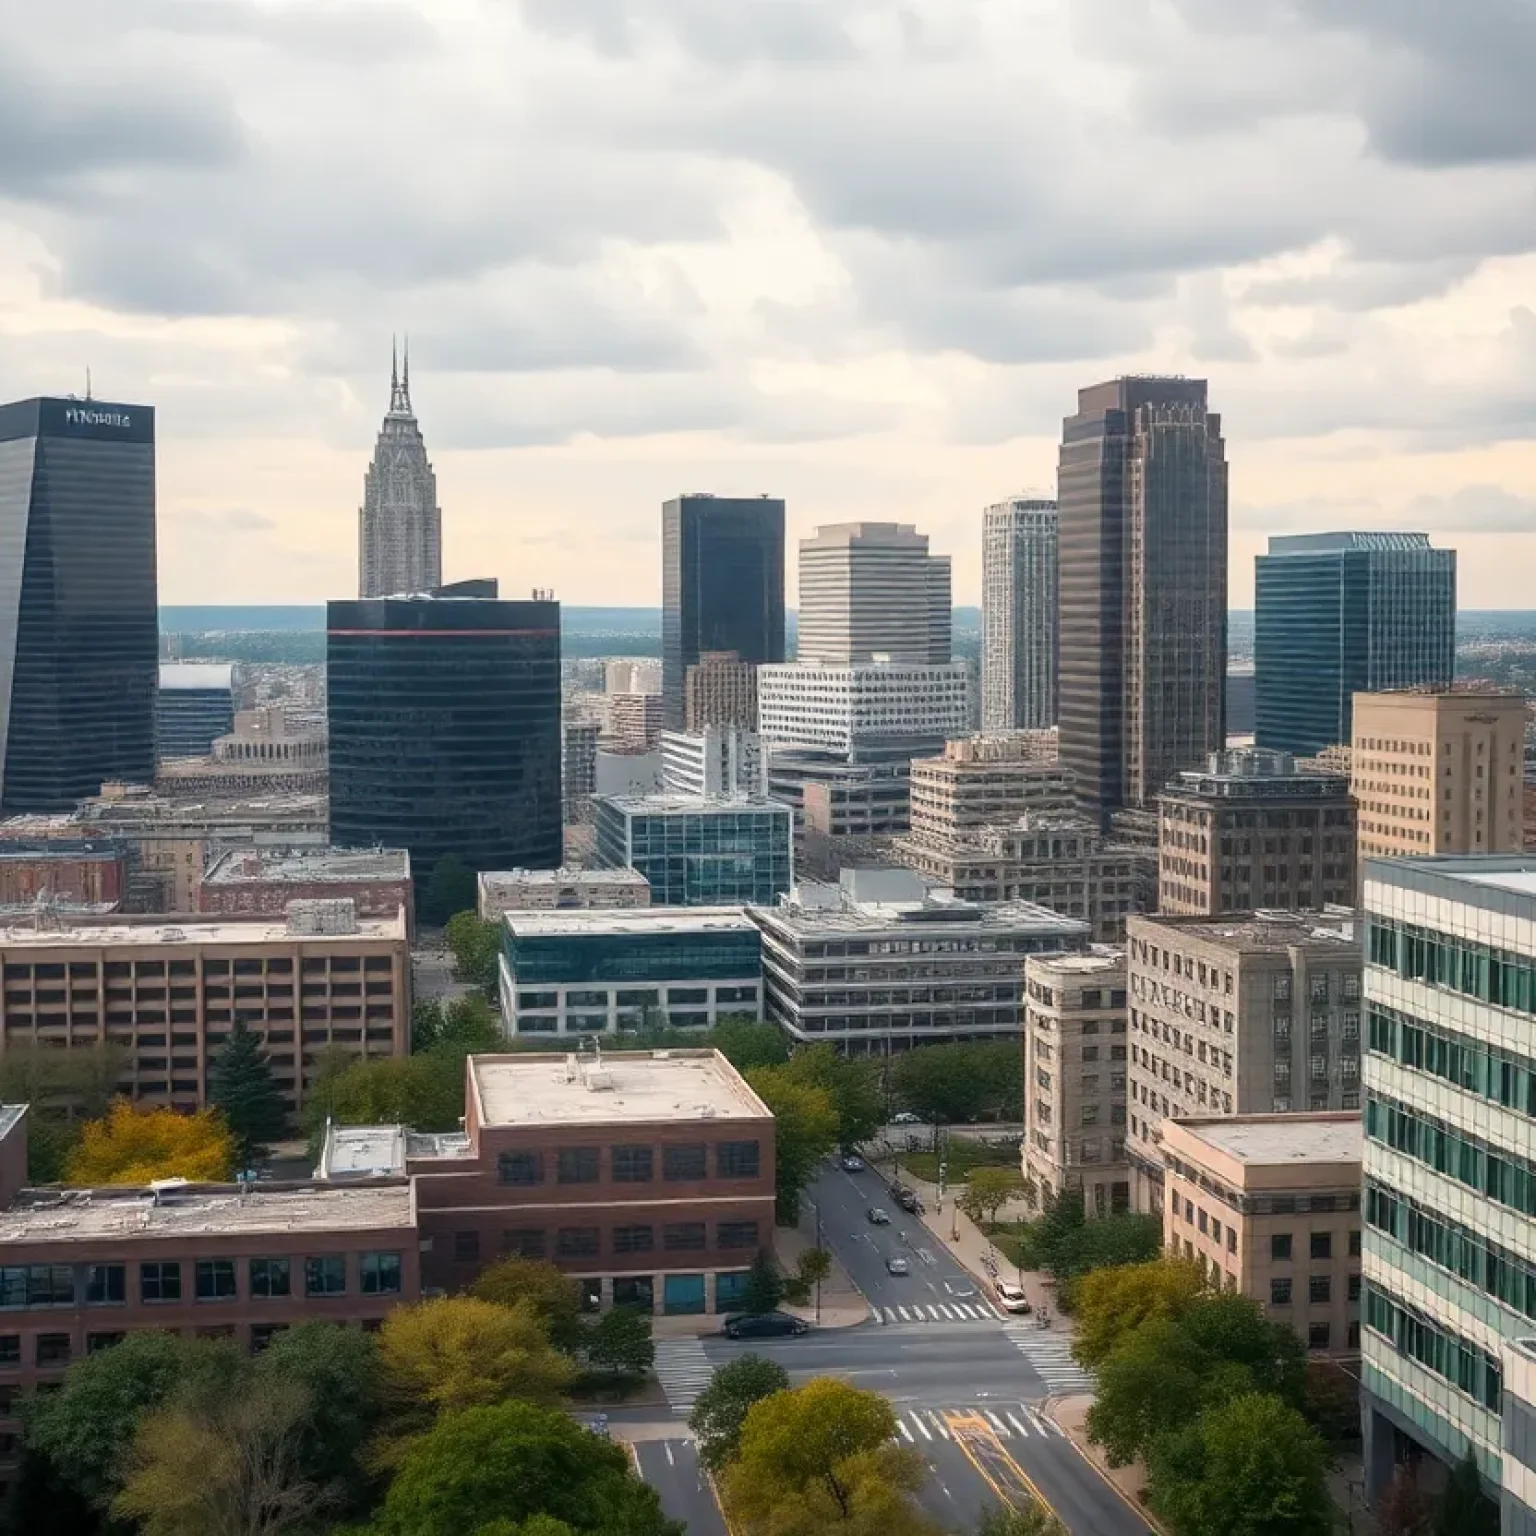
x=133 y=1145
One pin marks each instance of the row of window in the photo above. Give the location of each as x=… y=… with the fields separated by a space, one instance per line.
x=587 y=1242
x=1486 y=1070
x=1473 y=969
x=632 y=1164
x=1411 y=1333
x=1319 y=1290
x=314 y=965
x=96 y=1285
x=1469 y=1160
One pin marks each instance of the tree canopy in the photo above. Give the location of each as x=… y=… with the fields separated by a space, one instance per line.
x=1463 y=1509
x=851 y=1083
x=1111 y=1303
x=1033 y=1519
x=425 y=1092
x=63 y=1087
x=242 y=1088
x=748 y=1043
x=765 y=1285
x=134 y=1145
x=534 y=1283
x=618 y=1342
x=721 y=1408
x=805 y=1130
x=475 y=943
x=953 y=1084
x=988 y=1190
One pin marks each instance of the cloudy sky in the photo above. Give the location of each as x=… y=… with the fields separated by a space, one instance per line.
x=859 y=253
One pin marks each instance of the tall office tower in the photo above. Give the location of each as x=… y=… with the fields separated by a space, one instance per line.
x=445 y=728
x=1439 y=772
x=194 y=706
x=722 y=585
x=578 y=778
x=79 y=622
x=1338 y=614
x=1018 y=615
x=1142 y=499
x=721 y=690
x=400 y=526
x=872 y=589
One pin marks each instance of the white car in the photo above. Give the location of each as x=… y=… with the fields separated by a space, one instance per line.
x=1011 y=1298
x=906 y=1117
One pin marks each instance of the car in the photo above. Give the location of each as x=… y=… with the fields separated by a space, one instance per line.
x=898 y=1266
x=764 y=1325
x=1011 y=1298
x=906 y=1117
x=906 y=1198
x=851 y=1163
x=877 y=1217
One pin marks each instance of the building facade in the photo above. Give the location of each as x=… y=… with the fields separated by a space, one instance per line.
x=1018 y=615
x=263 y=881
x=722 y=586
x=1250 y=831
x=1143 y=588
x=578 y=776
x=194 y=706
x=1253 y=1014
x=543 y=890
x=985 y=781
x=720 y=689
x=265 y=752
x=445 y=728
x=1269 y=1205
x=1336 y=614
x=79 y=622
x=1075 y=1077
x=870 y=710
x=598 y=972
x=399 y=525
x=81 y=875
x=718 y=762
x=635 y=722
x=1439 y=772
x=698 y=852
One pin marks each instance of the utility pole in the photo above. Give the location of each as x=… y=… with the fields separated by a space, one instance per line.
x=818 y=1272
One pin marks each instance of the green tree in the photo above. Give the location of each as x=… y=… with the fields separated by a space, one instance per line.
x=475 y=943
x=765 y=1285
x=1000 y=1064
x=470 y=1026
x=805 y=1130
x=451 y=889
x=748 y=1043
x=1106 y=1243
x=426 y=1024
x=550 y=1292
x=720 y=1409
x=619 y=1342
x=944 y=1084
x=1258 y=1355
x=1154 y=1381
x=814 y=1265
x=852 y=1084
x=1111 y=1304
x=425 y=1092
x=241 y=1084
x=1251 y=1467
x=988 y=1190
x=1032 y=1519
x=516 y=1462
x=1463 y=1509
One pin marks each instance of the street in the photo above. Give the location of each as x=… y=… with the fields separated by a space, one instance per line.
x=672 y=1468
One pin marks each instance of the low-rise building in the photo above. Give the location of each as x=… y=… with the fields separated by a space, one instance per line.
x=1269 y=1205
x=987 y=781
x=596 y=972
x=837 y=798
x=265 y=752
x=635 y=721
x=879 y=962
x=536 y=890
x=717 y=762
x=67 y=875
x=1075 y=1077
x=265 y=880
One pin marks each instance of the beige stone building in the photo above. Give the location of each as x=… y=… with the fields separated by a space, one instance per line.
x=265 y=754
x=1254 y=1014
x=720 y=689
x=533 y=890
x=1439 y=772
x=1269 y=1205
x=980 y=781
x=635 y=721
x=1075 y=1077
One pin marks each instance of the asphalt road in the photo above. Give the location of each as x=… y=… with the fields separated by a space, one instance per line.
x=672 y=1468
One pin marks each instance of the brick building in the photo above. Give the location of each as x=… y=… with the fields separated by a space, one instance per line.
x=85 y=874
x=263 y=881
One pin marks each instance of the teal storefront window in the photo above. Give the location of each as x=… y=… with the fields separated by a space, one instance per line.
x=682 y=1294
x=731 y=1290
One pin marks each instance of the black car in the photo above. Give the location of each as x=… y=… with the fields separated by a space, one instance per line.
x=766 y=1325
x=906 y=1198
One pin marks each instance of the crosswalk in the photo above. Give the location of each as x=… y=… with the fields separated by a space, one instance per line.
x=1009 y=1421
x=941 y=1312
x=683 y=1369
x=1050 y=1355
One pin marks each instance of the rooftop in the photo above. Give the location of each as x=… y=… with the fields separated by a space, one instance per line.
x=628 y=1086
x=814 y=909
x=692 y=805
x=560 y=922
x=309 y=864
x=1320 y=1138
x=493 y=881
x=1090 y=962
x=1513 y=874
x=89 y=1215
x=218 y=675
x=1333 y=543
x=1264 y=931
x=28 y=934
x=361 y=1151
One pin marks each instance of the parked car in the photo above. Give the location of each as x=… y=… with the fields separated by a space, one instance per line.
x=906 y=1117
x=877 y=1217
x=851 y=1163
x=1011 y=1299
x=906 y=1198
x=765 y=1325
x=898 y=1266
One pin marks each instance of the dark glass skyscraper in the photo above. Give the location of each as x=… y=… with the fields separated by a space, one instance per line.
x=79 y=619
x=445 y=727
x=722 y=585
x=1338 y=614
x=1142 y=562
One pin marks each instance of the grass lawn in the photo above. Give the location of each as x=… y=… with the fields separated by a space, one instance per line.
x=960 y=1158
x=1013 y=1240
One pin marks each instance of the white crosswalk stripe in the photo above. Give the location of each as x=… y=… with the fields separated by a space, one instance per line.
x=1013 y=1421
x=1050 y=1356
x=683 y=1369
x=941 y=1312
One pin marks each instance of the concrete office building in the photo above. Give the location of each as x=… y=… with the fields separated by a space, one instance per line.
x=194 y=706
x=625 y=774
x=1439 y=772
x=399 y=525
x=1450 y=1176
x=1269 y=1205
x=1018 y=615
x=1250 y=830
x=445 y=728
x=79 y=625
x=597 y=972
x=635 y=722
x=264 y=881
x=879 y=962
x=1075 y=1077
x=1336 y=614
x=839 y=799
x=717 y=762
x=265 y=752
x=1143 y=581
x=515 y=890
x=869 y=711
x=720 y=689
x=985 y=781
x=632 y=674
x=697 y=852
x=1253 y=1014
x=578 y=776
x=872 y=591
x=722 y=586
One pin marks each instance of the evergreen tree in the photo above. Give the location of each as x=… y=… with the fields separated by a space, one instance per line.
x=765 y=1285
x=242 y=1086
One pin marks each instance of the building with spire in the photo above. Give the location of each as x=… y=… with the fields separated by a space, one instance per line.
x=400 y=543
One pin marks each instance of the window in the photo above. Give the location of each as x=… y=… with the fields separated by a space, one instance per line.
x=632 y=1165
x=53 y=1349
x=215 y=1279
x=577 y=1242
x=520 y=1168
x=1354 y=1287
x=1318 y=1335
x=466 y=1247
x=1280 y=1292
x=326 y=1276
x=736 y=1234
x=634 y=1239
x=270 y=1277
x=1320 y=1245
x=160 y=1282
x=106 y=1284
x=579 y=1165
x=1354 y=1243
x=380 y=1274
x=736 y=1159
x=1280 y=1248
x=683 y=1163
x=684 y=1236
x=523 y=1242
x=10 y=1349
x=1320 y=1289
x=99 y=1341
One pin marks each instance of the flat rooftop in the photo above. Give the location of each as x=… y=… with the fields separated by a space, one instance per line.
x=1263 y=1139
x=492 y=881
x=1268 y=933
x=91 y=1215
x=929 y=917
x=624 y=1087
x=546 y=923
x=305 y=865
x=23 y=934
x=176 y=675
x=358 y=1151
x=1101 y=957
x=693 y=805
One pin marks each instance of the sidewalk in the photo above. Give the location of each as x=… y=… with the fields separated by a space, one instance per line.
x=1071 y=1415
x=842 y=1303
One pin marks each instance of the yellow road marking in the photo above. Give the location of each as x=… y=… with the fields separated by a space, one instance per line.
x=979 y=1444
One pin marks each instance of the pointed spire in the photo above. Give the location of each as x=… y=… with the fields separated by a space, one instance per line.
x=399 y=392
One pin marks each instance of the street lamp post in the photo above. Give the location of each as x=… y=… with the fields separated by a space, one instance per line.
x=818 y=1271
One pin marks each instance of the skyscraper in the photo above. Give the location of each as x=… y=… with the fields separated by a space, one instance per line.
x=400 y=526
x=1142 y=500
x=872 y=589
x=722 y=585
x=445 y=727
x=1338 y=614
x=1018 y=615
x=79 y=622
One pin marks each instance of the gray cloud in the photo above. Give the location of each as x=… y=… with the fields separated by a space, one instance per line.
x=1474 y=509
